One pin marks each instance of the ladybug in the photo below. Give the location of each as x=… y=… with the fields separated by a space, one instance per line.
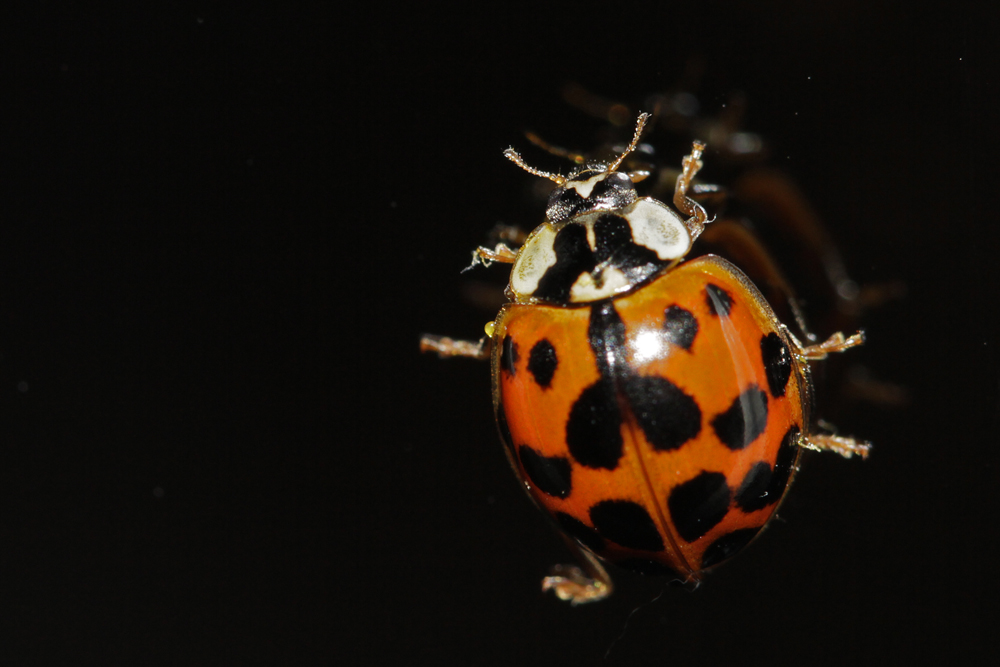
x=655 y=408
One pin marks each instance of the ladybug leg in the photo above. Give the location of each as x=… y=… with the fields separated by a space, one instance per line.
x=576 y=585
x=485 y=256
x=846 y=447
x=695 y=211
x=838 y=342
x=822 y=442
x=446 y=347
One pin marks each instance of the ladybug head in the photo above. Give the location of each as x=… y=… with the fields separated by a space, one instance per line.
x=592 y=187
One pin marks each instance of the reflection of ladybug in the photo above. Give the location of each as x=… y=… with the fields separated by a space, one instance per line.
x=656 y=409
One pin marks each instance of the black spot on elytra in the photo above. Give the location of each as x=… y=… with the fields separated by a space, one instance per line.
x=727 y=545
x=647 y=567
x=606 y=335
x=593 y=430
x=744 y=420
x=755 y=490
x=573 y=257
x=550 y=474
x=784 y=466
x=699 y=504
x=508 y=355
x=626 y=523
x=777 y=362
x=719 y=301
x=542 y=362
x=680 y=326
x=580 y=531
x=668 y=417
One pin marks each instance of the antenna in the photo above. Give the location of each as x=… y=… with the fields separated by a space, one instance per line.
x=640 y=123
x=516 y=158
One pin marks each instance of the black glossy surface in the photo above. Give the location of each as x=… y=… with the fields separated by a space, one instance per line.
x=744 y=420
x=508 y=355
x=778 y=362
x=626 y=523
x=613 y=191
x=699 y=504
x=667 y=416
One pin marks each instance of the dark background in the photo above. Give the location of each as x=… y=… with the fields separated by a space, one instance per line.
x=224 y=230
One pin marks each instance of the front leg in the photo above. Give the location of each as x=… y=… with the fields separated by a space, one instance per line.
x=846 y=447
x=482 y=255
x=838 y=342
x=821 y=442
x=697 y=217
x=446 y=347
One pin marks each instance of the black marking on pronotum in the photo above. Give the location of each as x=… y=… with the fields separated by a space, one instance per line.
x=668 y=417
x=727 y=545
x=615 y=247
x=699 y=504
x=681 y=326
x=719 y=301
x=573 y=258
x=777 y=363
x=550 y=474
x=542 y=362
x=744 y=420
x=626 y=523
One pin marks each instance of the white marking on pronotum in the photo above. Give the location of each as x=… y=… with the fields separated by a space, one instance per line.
x=585 y=289
x=534 y=259
x=658 y=228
